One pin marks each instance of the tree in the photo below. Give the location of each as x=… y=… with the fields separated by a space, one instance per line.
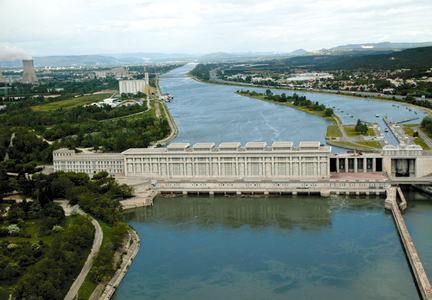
x=329 y=112
x=360 y=127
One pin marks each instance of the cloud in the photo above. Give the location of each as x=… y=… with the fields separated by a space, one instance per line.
x=10 y=53
x=108 y=26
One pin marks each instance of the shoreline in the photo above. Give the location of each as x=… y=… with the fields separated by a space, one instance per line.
x=129 y=255
x=424 y=109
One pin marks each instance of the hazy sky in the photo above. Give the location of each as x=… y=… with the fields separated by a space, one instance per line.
x=73 y=27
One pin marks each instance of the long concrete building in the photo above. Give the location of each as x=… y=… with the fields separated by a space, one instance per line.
x=282 y=160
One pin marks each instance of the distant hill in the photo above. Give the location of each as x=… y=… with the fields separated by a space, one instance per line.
x=384 y=45
x=406 y=59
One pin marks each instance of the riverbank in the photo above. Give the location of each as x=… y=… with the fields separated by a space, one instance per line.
x=127 y=256
x=340 y=94
x=289 y=104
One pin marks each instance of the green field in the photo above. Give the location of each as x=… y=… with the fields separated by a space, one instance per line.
x=351 y=132
x=408 y=129
x=373 y=144
x=69 y=103
x=420 y=142
x=333 y=131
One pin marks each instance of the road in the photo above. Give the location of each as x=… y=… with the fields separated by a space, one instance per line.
x=73 y=291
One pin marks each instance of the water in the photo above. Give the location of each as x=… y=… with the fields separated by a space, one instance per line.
x=304 y=247
x=418 y=219
x=214 y=113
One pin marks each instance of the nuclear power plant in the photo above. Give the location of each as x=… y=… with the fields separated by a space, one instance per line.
x=1 y=77
x=29 y=75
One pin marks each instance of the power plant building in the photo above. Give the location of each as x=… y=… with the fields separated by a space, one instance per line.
x=116 y=73
x=1 y=77
x=132 y=86
x=29 y=75
x=282 y=160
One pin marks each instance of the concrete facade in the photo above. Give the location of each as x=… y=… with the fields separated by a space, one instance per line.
x=230 y=160
x=132 y=86
x=29 y=75
x=1 y=77
x=88 y=162
x=282 y=160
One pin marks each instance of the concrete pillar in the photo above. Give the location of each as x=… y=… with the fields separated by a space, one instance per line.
x=347 y=193
x=185 y=192
x=364 y=165
x=374 y=164
x=393 y=168
x=238 y=193
x=357 y=193
x=337 y=164
x=411 y=168
x=346 y=165
x=294 y=193
x=266 y=193
x=355 y=164
x=367 y=193
x=211 y=193
x=325 y=193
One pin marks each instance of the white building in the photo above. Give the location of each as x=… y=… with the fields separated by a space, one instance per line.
x=254 y=161
x=132 y=86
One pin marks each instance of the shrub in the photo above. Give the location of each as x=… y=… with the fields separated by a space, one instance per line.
x=13 y=229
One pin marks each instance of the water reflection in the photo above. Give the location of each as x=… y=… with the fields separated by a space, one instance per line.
x=267 y=248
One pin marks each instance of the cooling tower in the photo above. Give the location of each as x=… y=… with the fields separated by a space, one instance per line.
x=1 y=77
x=29 y=75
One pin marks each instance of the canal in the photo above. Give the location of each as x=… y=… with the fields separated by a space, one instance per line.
x=214 y=247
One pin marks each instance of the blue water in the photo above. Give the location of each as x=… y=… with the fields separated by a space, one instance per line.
x=214 y=113
x=303 y=247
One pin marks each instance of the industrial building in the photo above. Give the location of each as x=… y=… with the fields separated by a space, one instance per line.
x=29 y=75
x=1 y=77
x=116 y=73
x=282 y=160
x=132 y=86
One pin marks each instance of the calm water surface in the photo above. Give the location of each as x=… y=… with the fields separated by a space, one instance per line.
x=214 y=247
x=303 y=247
x=214 y=113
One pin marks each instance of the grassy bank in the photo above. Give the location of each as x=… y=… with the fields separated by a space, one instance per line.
x=408 y=130
x=290 y=104
x=70 y=103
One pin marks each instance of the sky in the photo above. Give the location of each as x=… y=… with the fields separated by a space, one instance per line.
x=78 y=27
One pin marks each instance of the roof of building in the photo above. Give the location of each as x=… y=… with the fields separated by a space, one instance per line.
x=204 y=146
x=178 y=146
x=282 y=145
x=229 y=145
x=256 y=145
x=144 y=150
x=309 y=144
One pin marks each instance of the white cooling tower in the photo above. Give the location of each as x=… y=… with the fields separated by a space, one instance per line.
x=29 y=75
x=1 y=77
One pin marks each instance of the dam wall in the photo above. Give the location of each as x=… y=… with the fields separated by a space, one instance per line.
x=410 y=251
x=322 y=187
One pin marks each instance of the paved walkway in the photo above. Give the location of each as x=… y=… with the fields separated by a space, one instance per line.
x=73 y=291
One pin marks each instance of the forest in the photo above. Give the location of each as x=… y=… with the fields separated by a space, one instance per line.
x=41 y=250
x=38 y=133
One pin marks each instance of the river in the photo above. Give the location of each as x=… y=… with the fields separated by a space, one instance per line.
x=213 y=247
